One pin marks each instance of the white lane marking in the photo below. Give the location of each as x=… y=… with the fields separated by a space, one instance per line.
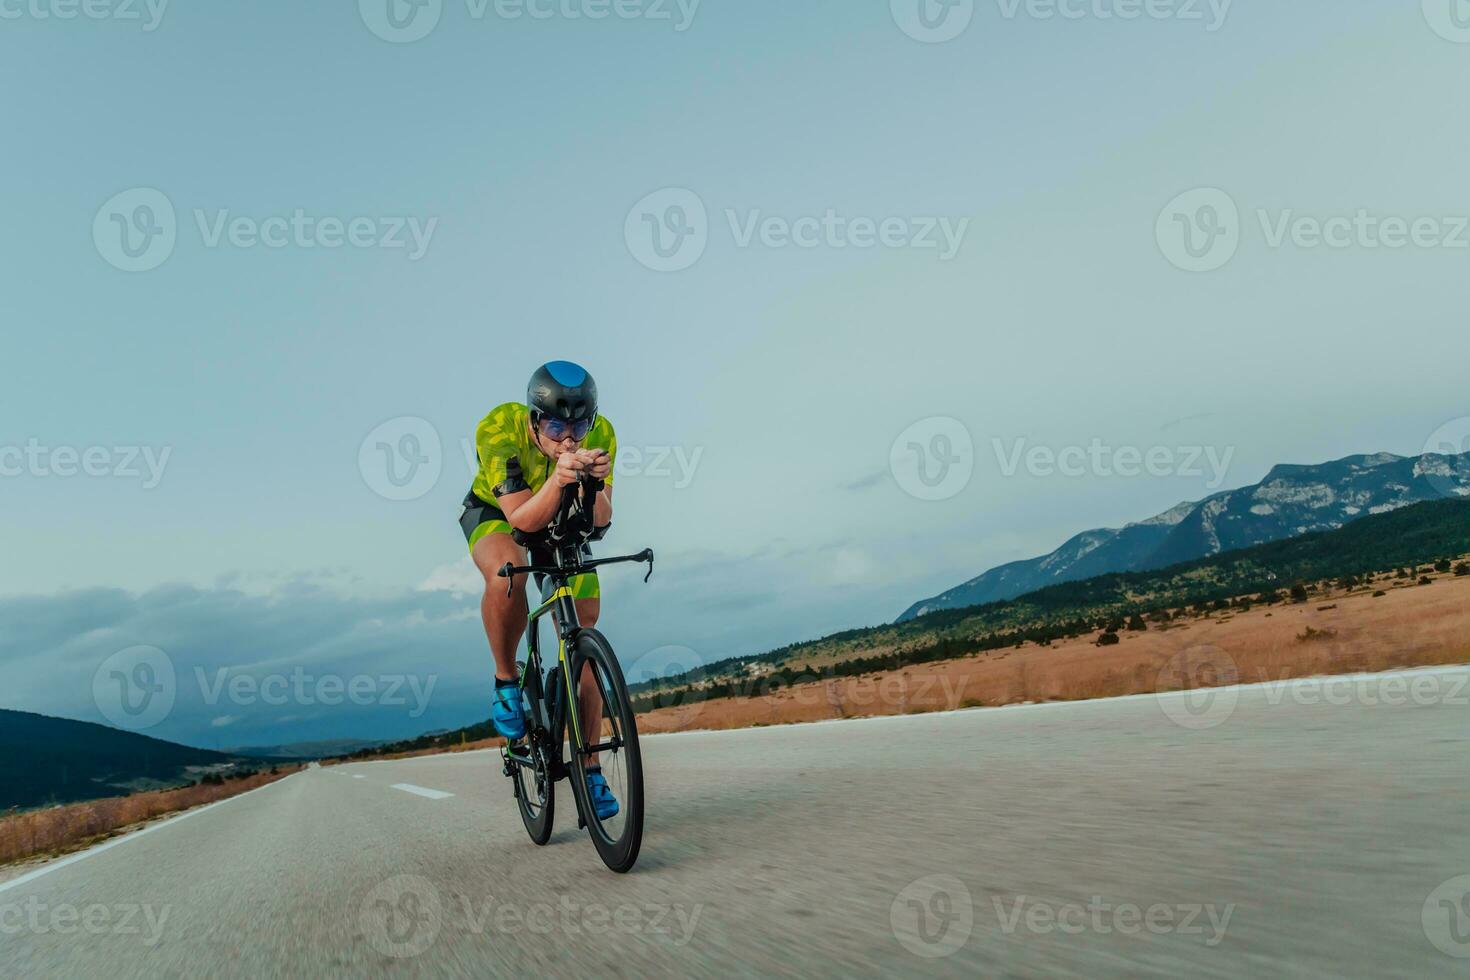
x=355 y=776
x=134 y=835
x=432 y=794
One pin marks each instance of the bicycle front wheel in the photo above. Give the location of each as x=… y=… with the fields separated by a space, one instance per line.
x=606 y=734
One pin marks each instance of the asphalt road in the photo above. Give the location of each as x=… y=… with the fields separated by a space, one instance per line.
x=1300 y=833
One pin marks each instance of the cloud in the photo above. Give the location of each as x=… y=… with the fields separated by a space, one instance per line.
x=302 y=657
x=1186 y=420
x=300 y=663
x=457 y=578
x=868 y=482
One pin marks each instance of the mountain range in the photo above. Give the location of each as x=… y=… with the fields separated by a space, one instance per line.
x=1291 y=500
x=46 y=760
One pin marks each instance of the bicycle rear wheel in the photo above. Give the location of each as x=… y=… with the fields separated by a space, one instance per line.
x=535 y=789
x=594 y=668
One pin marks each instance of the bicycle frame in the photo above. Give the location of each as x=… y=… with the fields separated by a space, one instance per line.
x=569 y=563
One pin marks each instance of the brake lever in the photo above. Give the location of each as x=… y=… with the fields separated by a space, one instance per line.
x=648 y=556
x=508 y=570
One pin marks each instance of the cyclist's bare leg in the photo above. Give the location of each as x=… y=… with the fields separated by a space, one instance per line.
x=504 y=615
x=590 y=708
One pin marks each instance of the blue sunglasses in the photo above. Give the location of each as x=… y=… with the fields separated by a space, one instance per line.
x=558 y=430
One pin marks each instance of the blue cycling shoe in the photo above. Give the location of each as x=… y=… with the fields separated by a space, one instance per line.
x=508 y=712
x=603 y=801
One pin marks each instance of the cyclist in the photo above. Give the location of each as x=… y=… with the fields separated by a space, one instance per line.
x=527 y=454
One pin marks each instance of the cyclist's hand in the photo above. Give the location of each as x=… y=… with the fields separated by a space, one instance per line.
x=599 y=463
x=568 y=465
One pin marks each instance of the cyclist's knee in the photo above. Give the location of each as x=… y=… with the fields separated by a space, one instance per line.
x=493 y=551
x=490 y=554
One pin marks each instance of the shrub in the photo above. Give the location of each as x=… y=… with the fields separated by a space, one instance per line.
x=1463 y=569
x=1108 y=640
x=1379 y=594
x=1299 y=593
x=1136 y=623
x=1443 y=565
x=1426 y=580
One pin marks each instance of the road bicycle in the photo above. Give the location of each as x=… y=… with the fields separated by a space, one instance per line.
x=586 y=675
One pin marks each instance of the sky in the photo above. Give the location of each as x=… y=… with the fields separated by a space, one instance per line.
x=266 y=266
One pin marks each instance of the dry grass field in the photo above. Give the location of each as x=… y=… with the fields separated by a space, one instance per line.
x=65 y=828
x=1409 y=626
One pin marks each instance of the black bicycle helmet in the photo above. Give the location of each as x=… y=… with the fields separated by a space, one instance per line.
x=562 y=390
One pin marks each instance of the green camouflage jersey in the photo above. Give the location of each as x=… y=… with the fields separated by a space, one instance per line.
x=510 y=461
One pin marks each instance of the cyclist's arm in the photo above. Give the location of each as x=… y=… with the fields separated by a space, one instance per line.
x=601 y=469
x=531 y=512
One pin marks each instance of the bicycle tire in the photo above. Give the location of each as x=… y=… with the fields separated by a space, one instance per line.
x=618 y=850
x=536 y=796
